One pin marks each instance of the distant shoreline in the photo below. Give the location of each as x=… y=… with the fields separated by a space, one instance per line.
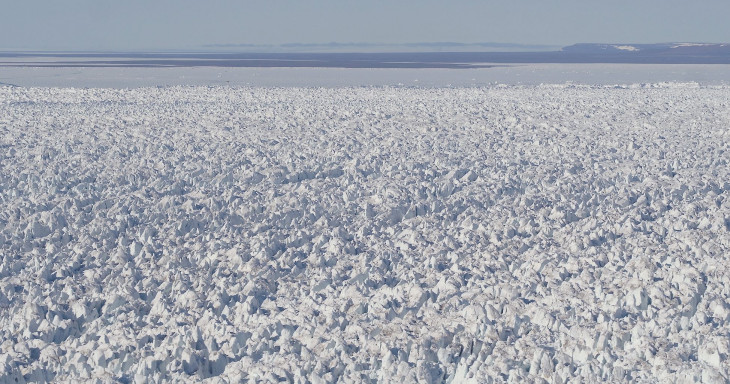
x=450 y=60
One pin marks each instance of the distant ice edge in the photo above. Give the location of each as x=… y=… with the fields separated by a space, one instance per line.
x=373 y=234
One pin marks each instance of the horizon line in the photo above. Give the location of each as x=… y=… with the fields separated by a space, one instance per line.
x=332 y=47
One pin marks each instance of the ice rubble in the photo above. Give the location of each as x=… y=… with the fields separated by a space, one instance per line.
x=351 y=234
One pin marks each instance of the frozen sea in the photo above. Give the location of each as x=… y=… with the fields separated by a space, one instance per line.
x=508 y=74
x=519 y=223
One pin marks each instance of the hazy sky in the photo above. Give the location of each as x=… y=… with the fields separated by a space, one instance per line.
x=192 y=24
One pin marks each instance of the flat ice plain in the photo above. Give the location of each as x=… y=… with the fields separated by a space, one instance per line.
x=11 y=73
x=490 y=233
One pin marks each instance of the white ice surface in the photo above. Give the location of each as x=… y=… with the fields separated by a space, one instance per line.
x=404 y=235
x=510 y=74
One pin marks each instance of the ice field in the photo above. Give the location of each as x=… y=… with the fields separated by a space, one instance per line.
x=513 y=233
x=12 y=73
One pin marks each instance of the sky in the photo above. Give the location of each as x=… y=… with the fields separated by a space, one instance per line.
x=149 y=25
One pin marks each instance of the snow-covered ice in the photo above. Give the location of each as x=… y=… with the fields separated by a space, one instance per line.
x=510 y=74
x=545 y=233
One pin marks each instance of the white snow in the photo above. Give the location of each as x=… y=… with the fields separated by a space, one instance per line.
x=545 y=233
x=629 y=48
x=694 y=45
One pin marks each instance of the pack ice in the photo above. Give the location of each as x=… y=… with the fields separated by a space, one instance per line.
x=546 y=233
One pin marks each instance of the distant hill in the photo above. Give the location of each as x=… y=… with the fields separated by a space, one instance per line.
x=655 y=52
